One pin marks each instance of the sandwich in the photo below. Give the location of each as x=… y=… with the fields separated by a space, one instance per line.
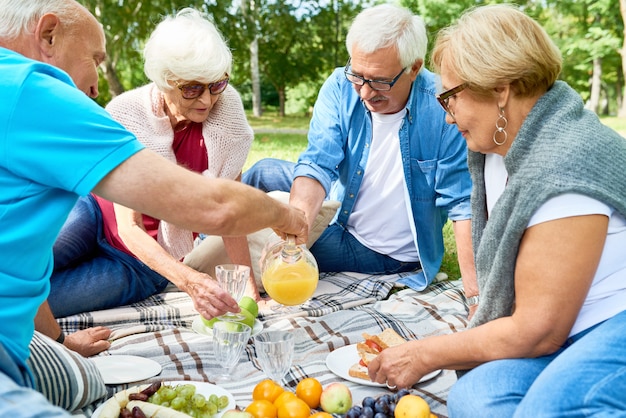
x=372 y=347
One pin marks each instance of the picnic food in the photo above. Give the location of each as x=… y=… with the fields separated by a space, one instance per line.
x=162 y=401
x=370 y=348
x=336 y=398
x=402 y=404
x=249 y=309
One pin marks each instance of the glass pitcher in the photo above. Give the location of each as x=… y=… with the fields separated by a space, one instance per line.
x=289 y=272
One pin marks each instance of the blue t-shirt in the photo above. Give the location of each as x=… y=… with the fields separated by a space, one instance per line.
x=55 y=144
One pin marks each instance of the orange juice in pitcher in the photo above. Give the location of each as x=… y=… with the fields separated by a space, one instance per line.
x=289 y=273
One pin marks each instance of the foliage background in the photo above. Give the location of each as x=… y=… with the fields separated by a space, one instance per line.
x=299 y=42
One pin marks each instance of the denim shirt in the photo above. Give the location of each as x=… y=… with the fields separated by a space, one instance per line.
x=434 y=160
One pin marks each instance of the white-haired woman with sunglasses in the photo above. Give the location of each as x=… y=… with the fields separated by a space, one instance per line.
x=549 y=233
x=108 y=255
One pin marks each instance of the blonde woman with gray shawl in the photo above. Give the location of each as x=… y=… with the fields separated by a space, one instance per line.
x=190 y=115
x=549 y=232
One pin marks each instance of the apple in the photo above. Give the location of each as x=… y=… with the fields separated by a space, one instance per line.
x=235 y=413
x=336 y=398
x=250 y=305
x=209 y=322
x=249 y=318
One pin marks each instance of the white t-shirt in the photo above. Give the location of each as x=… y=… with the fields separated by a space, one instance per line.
x=380 y=218
x=607 y=295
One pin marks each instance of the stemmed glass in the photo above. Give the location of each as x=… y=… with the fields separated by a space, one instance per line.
x=274 y=350
x=229 y=341
x=233 y=278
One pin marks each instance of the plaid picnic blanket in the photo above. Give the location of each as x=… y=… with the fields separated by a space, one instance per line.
x=344 y=306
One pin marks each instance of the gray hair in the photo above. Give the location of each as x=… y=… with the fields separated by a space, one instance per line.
x=18 y=17
x=186 y=47
x=387 y=25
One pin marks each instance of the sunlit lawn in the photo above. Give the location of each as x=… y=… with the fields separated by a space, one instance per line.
x=288 y=146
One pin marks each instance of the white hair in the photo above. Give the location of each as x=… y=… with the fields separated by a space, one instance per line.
x=388 y=25
x=186 y=47
x=18 y=17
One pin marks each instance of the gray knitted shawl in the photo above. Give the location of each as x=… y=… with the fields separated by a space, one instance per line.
x=560 y=148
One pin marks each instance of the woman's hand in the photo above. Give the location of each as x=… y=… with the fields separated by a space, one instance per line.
x=209 y=299
x=398 y=367
x=89 y=342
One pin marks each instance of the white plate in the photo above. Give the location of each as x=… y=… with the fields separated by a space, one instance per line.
x=202 y=388
x=198 y=326
x=340 y=361
x=125 y=369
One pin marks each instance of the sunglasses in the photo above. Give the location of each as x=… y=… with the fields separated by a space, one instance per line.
x=374 y=84
x=195 y=90
x=444 y=98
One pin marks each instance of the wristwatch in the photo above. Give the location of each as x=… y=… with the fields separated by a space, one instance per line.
x=472 y=300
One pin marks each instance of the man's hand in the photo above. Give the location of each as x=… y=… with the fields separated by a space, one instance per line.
x=89 y=342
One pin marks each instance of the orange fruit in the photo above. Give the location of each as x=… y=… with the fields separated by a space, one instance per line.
x=322 y=415
x=284 y=397
x=262 y=408
x=412 y=406
x=294 y=408
x=267 y=390
x=309 y=390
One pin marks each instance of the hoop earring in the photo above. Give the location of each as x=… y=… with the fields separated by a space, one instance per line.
x=501 y=123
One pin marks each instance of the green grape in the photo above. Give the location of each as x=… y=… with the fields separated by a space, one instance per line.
x=178 y=403
x=155 y=399
x=198 y=400
x=168 y=393
x=205 y=414
x=213 y=399
x=222 y=402
x=211 y=409
x=186 y=392
x=166 y=404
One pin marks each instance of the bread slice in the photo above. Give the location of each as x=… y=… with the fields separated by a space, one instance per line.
x=359 y=371
x=387 y=338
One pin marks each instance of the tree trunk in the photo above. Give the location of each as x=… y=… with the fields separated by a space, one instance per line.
x=281 y=101
x=622 y=6
x=256 y=78
x=115 y=86
x=596 y=86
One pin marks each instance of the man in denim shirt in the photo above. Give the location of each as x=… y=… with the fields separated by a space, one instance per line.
x=379 y=143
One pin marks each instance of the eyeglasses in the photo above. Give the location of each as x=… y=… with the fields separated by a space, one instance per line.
x=374 y=84
x=195 y=90
x=444 y=97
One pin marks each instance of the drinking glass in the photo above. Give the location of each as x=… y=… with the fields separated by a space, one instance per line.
x=274 y=350
x=229 y=341
x=233 y=278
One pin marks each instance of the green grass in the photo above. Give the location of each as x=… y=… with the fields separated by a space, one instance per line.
x=618 y=124
x=288 y=146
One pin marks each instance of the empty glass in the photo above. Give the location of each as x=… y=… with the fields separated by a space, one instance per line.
x=233 y=278
x=229 y=341
x=274 y=350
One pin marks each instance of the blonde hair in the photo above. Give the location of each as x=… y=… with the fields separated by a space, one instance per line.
x=186 y=47
x=498 y=44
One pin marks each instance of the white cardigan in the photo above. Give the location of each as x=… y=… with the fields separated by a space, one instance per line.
x=226 y=132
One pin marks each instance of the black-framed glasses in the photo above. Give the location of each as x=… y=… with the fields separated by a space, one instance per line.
x=378 y=85
x=444 y=98
x=195 y=90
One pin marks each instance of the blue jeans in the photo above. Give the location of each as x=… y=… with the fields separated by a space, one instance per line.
x=336 y=249
x=587 y=377
x=90 y=274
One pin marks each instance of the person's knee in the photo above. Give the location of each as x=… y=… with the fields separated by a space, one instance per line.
x=269 y=174
x=463 y=399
